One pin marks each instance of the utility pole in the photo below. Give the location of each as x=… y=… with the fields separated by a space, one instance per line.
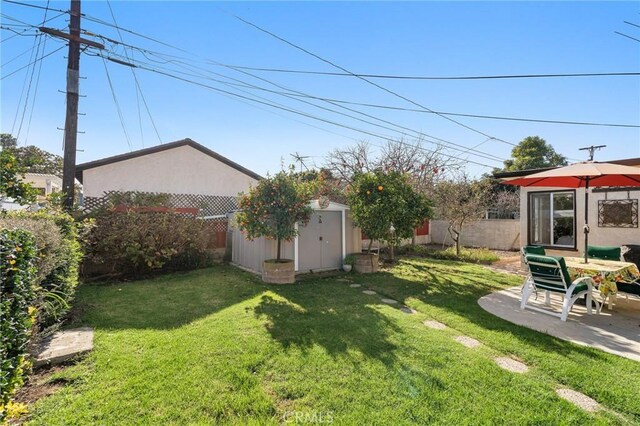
x=592 y=149
x=71 y=120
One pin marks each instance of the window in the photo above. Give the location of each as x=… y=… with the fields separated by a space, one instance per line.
x=552 y=219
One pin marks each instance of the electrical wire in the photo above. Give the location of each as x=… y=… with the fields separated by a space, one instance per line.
x=118 y=109
x=31 y=63
x=277 y=37
x=34 y=5
x=138 y=87
x=236 y=95
x=440 y=142
x=408 y=77
x=35 y=92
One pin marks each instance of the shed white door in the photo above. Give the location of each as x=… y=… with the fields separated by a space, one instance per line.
x=320 y=242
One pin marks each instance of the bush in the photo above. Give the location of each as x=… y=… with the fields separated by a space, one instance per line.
x=17 y=311
x=58 y=259
x=479 y=255
x=137 y=243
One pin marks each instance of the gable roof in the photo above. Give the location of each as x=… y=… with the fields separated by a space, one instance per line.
x=159 y=148
x=521 y=173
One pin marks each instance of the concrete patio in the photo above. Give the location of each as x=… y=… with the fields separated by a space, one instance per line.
x=615 y=331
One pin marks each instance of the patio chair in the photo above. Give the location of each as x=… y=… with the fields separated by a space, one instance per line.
x=524 y=251
x=550 y=274
x=631 y=254
x=604 y=252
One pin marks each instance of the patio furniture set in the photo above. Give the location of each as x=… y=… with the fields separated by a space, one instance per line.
x=605 y=269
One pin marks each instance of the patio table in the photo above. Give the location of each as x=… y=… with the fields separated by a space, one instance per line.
x=605 y=274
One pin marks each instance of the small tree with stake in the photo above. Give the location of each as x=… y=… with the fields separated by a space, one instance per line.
x=386 y=207
x=273 y=207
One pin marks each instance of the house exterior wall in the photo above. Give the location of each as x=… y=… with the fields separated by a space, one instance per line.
x=181 y=170
x=597 y=235
x=498 y=234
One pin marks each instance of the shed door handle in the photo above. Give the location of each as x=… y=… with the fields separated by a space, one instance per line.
x=320 y=238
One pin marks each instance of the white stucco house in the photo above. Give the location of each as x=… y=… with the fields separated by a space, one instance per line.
x=181 y=167
x=554 y=217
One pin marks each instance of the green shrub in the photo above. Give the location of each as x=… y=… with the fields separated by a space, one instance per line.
x=58 y=259
x=479 y=255
x=17 y=311
x=138 y=243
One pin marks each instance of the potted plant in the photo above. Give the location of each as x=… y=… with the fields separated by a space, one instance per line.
x=271 y=210
x=348 y=262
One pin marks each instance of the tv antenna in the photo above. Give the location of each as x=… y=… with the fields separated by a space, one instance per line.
x=300 y=159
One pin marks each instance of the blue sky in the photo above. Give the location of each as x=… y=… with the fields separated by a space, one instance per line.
x=413 y=38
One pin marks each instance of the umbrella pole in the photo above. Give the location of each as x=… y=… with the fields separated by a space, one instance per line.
x=586 y=220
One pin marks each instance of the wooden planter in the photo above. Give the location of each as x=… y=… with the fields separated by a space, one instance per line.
x=282 y=272
x=366 y=263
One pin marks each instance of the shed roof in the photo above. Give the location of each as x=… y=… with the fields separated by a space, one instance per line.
x=164 y=147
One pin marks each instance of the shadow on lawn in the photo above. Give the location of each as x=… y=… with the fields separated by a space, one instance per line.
x=457 y=290
x=165 y=302
x=303 y=317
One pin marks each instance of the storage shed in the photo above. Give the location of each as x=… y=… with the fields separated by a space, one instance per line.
x=322 y=244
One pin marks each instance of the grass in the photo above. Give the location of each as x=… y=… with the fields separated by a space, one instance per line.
x=216 y=346
x=470 y=255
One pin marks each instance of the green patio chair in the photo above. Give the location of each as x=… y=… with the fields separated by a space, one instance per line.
x=604 y=252
x=525 y=250
x=550 y=274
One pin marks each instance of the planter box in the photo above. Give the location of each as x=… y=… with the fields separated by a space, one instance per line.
x=282 y=272
x=366 y=263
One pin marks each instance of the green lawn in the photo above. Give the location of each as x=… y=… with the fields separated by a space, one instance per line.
x=217 y=346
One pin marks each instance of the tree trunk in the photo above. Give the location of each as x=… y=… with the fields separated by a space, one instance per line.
x=458 y=246
x=370 y=243
x=278 y=255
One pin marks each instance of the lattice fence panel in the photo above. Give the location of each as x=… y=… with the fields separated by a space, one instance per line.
x=208 y=205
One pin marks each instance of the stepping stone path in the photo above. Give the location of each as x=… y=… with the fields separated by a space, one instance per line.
x=390 y=301
x=369 y=292
x=343 y=280
x=435 y=325
x=407 y=310
x=579 y=399
x=63 y=346
x=512 y=365
x=354 y=285
x=467 y=341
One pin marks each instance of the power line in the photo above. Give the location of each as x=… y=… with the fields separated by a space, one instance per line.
x=35 y=92
x=364 y=79
x=627 y=36
x=138 y=87
x=409 y=77
x=292 y=111
x=35 y=6
x=115 y=101
x=31 y=63
x=451 y=145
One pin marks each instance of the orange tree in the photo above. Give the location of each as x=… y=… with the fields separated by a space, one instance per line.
x=379 y=199
x=273 y=207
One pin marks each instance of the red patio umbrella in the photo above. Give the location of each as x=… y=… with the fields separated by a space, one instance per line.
x=590 y=174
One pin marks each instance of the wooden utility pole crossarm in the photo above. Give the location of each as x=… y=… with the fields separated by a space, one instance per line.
x=60 y=34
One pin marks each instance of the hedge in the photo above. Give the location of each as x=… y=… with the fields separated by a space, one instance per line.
x=17 y=310
x=59 y=255
x=133 y=244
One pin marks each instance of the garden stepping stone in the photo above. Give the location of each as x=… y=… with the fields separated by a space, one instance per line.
x=354 y=285
x=390 y=301
x=579 y=399
x=369 y=292
x=512 y=365
x=63 y=345
x=435 y=325
x=467 y=341
x=407 y=310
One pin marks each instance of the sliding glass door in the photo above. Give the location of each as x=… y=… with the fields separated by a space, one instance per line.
x=552 y=219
